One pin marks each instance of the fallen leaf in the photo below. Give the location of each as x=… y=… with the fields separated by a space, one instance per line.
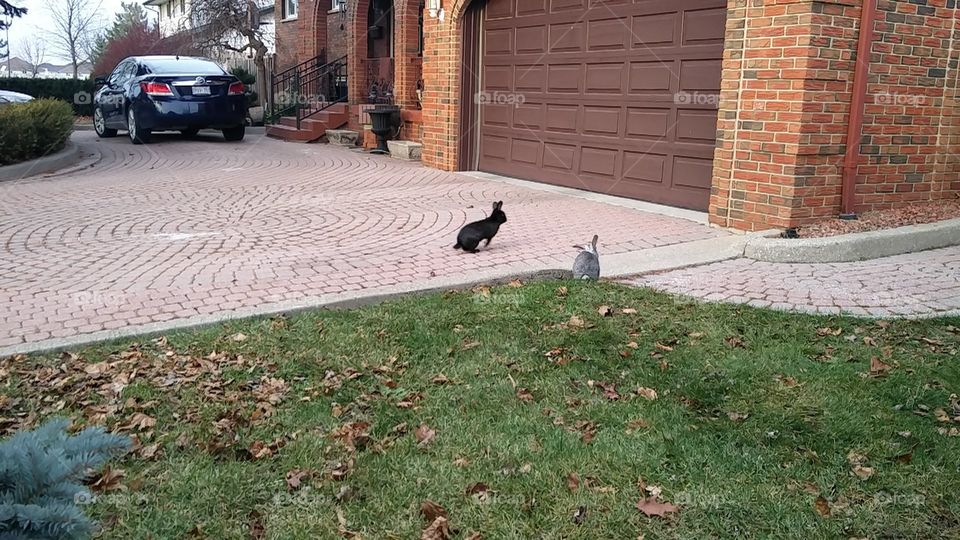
x=479 y=491
x=573 y=481
x=638 y=424
x=431 y=511
x=626 y=353
x=238 y=337
x=662 y=347
x=467 y=345
x=575 y=322
x=524 y=395
x=474 y=536
x=438 y=530
x=561 y=291
x=424 y=435
x=648 y=393
x=515 y=283
x=904 y=458
x=696 y=335
x=737 y=417
x=735 y=342
x=878 y=367
x=941 y=416
x=295 y=477
x=829 y=331
x=650 y=506
x=109 y=480
x=441 y=379
x=862 y=472
x=822 y=506
x=604 y=311
x=149 y=451
x=628 y=311
x=580 y=515
x=461 y=462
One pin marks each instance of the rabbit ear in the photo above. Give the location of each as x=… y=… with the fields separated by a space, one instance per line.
x=594 y=242
x=498 y=205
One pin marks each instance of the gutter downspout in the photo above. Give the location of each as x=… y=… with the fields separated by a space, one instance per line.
x=855 y=123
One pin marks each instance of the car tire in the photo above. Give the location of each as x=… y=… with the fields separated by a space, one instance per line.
x=234 y=133
x=189 y=133
x=100 y=124
x=137 y=134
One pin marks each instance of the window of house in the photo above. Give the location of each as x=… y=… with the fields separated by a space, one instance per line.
x=290 y=9
x=335 y=5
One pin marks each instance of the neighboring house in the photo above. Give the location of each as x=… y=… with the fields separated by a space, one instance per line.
x=174 y=17
x=740 y=109
x=21 y=68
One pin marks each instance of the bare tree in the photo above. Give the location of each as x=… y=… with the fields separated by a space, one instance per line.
x=76 y=24
x=231 y=25
x=34 y=51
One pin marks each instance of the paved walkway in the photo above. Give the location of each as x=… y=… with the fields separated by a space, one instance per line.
x=913 y=285
x=189 y=231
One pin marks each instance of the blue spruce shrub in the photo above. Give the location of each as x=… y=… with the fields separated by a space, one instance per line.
x=41 y=475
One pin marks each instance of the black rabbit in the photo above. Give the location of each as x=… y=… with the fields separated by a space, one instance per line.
x=472 y=233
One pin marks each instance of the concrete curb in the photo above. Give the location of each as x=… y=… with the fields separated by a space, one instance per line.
x=856 y=246
x=69 y=155
x=657 y=259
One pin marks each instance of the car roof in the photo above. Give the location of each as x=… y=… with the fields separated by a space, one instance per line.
x=147 y=58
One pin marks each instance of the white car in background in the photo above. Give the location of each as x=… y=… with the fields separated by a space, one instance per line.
x=7 y=97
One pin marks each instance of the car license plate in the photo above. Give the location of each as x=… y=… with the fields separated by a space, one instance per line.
x=201 y=90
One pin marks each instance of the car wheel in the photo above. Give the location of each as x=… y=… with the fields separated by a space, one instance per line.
x=100 y=124
x=137 y=134
x=189 y=133
x=234 y=133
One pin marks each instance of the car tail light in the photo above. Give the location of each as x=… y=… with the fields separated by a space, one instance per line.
x=235 y=89
x=156 y=89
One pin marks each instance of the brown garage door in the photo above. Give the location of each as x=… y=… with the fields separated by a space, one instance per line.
x=608 y=96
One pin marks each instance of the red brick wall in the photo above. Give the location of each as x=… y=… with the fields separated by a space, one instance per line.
x=302 y=38
x=441 y=80
x=338 y=36
x=787 y=83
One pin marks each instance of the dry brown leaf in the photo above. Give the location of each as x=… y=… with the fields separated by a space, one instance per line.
x=862 y=472
x=580 y=515
x=735 y=342
x=431 y=511
x=637 y=424
x=604 y=311
x=573 y=481
x=738 y=417
x=424 y=435
x=149 y=451
x=575 y=322
x=461 y=462
x=652 y=507
x=238 y=337
x=109 y=480
x=822 y=506
x=438 y=530
x=628 y=311
x=515 y=283
x=524 y=395
x=663 y=347
x=878 y=367
x=295 y=477
x=829 y=331
x=441 y=379
x=561 y=291
x=648 y=393
x=941 y=416
x=474 y=536
x=467 y=345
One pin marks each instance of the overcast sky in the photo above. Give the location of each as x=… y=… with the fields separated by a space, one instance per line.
x=38 y=19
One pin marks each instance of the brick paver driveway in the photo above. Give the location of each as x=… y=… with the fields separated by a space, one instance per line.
x=179 y=229
x=910 y=285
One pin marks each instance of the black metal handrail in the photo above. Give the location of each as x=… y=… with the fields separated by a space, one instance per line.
x=308 y=88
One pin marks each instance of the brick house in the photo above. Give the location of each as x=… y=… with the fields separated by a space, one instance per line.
x=741 y=108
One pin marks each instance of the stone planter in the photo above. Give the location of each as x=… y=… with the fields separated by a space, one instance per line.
x=405 y=150
x=343 y=137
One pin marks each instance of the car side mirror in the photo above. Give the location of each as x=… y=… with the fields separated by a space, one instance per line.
x=100 y=81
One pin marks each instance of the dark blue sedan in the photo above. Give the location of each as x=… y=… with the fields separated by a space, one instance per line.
x=169 y=93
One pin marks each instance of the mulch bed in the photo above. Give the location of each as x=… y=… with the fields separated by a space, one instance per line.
x=926 y=212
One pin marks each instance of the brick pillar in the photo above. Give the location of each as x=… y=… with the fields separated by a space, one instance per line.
x=406 y=52
x=441 y=81
x=357 y=58
x=785 y=106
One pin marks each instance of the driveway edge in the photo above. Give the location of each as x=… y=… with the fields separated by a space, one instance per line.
x=856 y=246
x=68 y=155
x=659 y=259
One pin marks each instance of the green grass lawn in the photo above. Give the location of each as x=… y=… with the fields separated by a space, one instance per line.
x=541 y=418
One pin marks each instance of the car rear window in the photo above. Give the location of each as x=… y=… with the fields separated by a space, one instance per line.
x=192 y=66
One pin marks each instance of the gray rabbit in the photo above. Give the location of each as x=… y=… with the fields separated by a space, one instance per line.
x=587 y=264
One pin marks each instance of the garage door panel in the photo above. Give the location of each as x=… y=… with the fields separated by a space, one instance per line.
x=647 y=122
x=604 y=78
x=653 y=30
x=531 y=39
x=559 y=156
x=704 y=26
x=525 y=151
x=644 y=167
x=567 y=37
x=608 y=34
x=647 y=76
x=692 y=172
x=531 y=7
x=600 y=93
x=565 y=78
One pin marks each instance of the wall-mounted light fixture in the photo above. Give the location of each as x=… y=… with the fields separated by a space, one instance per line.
x=433 y=6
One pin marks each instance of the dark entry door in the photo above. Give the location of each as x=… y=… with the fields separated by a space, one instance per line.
x=610 y=96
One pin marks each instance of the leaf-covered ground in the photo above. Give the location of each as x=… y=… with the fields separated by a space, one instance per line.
x=547 y=410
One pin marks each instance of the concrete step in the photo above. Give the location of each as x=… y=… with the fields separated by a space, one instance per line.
x=289 y=133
